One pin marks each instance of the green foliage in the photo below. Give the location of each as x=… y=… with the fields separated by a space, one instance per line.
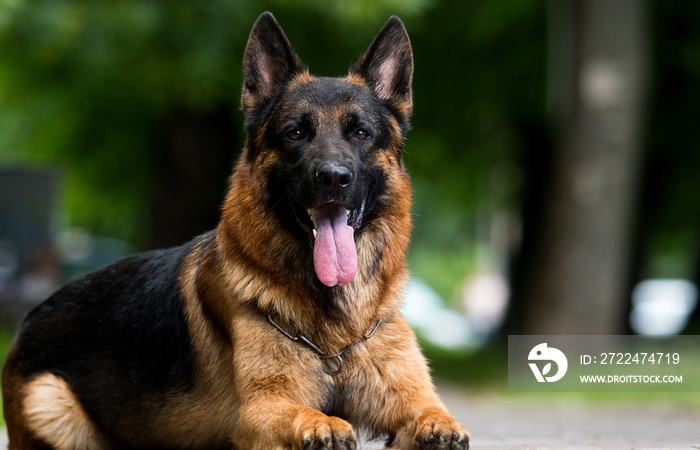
x=484 y=369
x=6 y=336
x=479 y=85
x=86 y=85
x=670 y=208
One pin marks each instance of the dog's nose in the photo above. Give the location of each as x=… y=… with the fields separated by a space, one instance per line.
x=334 y=177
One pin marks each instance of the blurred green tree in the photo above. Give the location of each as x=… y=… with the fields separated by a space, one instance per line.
x=123 y=95
x=138 y=102
x=668 y=223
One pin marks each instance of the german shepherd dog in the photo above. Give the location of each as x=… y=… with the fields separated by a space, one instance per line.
x=281 y=328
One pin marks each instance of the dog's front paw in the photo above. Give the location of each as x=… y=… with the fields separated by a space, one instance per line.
x=437 y=430
x=320 y=432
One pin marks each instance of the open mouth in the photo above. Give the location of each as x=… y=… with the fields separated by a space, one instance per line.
x=335 y=254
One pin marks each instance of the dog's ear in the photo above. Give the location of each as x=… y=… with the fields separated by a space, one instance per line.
x=387 y=65
x=269 y=61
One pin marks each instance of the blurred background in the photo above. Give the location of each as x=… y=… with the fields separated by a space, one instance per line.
x=555 y=149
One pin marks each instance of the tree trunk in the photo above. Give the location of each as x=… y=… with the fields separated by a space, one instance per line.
x=575 y=278
x=194 y=157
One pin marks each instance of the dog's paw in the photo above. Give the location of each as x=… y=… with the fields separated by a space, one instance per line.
x=437 y=430
x=321 y=432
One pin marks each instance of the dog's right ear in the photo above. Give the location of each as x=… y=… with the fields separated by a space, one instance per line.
x=269 y=61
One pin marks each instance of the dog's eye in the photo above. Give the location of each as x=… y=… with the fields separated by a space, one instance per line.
x=361 y=134
x=296 y=134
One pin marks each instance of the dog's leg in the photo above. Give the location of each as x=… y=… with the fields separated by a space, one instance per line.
x=19 y=437
x=273 y=423
x=435 y=429
x=405 y=403
x=52 y=413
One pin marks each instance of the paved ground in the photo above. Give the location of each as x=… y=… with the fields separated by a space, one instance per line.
x=516 y=423
x=512 y=422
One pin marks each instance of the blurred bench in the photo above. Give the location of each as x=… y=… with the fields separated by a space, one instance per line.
x=30 y=267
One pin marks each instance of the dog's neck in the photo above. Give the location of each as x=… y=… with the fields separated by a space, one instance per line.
x=255 y=273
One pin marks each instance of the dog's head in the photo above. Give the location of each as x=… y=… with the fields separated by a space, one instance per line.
x=327 y=147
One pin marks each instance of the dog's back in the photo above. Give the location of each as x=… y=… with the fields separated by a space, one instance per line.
x=103 y=356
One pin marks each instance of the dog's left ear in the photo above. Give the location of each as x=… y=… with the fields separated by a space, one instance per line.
x=387 y=65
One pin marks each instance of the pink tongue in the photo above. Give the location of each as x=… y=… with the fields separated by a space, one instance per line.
x=335 y=255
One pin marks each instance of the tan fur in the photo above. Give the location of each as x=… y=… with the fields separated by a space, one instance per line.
x=281 y=384
x=299 y=79
x=357 y=80
x=54 y=414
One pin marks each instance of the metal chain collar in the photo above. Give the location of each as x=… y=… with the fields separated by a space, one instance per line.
x=332 y=364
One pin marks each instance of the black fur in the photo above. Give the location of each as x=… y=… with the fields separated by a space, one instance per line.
x=293 y=176
x=117 y=336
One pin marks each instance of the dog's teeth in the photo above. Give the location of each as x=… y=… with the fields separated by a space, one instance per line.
x=315 y=233
x=308 y=211
x=347 y=213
